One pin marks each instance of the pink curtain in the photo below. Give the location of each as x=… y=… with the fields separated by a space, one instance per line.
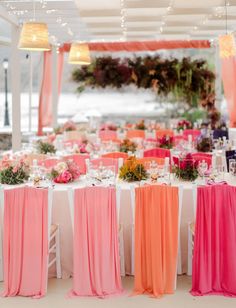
x=214 y=262
x=25 y=242
x=45 y=99
x=229 y=82
x=96 y=255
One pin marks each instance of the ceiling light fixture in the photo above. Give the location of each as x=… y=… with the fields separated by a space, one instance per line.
x=79 y=54
x=34 y=35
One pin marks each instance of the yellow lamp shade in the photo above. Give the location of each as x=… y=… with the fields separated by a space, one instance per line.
x=227 y=46
x=34 y=36
x=79 y=54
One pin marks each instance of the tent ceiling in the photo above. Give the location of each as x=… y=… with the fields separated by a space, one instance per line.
x=115 y=20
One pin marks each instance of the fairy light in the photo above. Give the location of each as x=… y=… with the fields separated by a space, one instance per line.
x=123 y=15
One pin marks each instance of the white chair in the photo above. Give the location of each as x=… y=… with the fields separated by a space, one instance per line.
x=54 y=249
x=53 y=237
x=191 y=233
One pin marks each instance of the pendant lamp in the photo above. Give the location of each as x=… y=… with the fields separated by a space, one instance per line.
x=34 y=36
x=79 y=54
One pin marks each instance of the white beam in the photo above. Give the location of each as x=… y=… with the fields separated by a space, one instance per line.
x=4 y=41
x=9 y=18
x=54 y=86
x=15 y=87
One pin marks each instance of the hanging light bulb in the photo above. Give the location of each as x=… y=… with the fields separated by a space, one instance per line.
x=34 y=36
x=79 y=54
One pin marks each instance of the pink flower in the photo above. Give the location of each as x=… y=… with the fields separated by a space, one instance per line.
x=64 y=177
x=15 y=169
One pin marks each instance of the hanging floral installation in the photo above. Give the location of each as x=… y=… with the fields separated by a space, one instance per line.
x=183 y=80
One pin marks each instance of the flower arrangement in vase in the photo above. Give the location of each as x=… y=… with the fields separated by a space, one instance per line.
x=140 y=125
x=45 y=147
x=13 y=172
x=109 y=126
x=65 y=172
x=185 y=168
x=132 y=170
x=204 y=144
x=128 y=146
x=184 y=124
x=165 y=142
x=69 y=126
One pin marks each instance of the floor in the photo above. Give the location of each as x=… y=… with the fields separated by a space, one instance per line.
x=57 y=289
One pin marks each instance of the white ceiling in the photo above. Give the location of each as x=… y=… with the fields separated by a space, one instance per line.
x=114 y=20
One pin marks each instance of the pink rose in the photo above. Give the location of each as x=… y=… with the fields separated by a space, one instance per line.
x=15 y=169
x=64 y=177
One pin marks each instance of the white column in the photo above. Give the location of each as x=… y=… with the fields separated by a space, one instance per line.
x=218 y=81
x=54 y=86
x=30 y=89
x=15 y=88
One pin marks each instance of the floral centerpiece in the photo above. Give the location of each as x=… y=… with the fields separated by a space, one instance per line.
x=204 y=143
x=69 y=126
x=184 y=124
x=65 y=172
x=109 y=126
x=45 y=147
x=140 y=125
x=132 y=171
x=128 y=146
x=165 y=142
x=185 y=168
x=14 y=172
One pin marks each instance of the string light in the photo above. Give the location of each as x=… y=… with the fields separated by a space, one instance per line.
x=123 y=15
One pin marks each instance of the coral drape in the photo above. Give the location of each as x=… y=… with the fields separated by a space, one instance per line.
x=156 y=239
x=45 y=99
x=229 y=82
x=96 y=253
x=25 y=242
x=143 y=46
x=214 y=262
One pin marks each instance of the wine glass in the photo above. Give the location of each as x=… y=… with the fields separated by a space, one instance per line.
x=202 y=168
x=232 y=167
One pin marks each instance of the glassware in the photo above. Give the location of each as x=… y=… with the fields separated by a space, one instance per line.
x=232 y=167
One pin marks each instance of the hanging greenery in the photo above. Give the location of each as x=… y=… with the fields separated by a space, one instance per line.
x=184 y=80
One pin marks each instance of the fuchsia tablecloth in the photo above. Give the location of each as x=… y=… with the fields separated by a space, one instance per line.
x=214 y=261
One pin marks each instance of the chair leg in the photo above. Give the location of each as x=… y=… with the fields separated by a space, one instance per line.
x=190 y=251
x=58 y=254
x=132 y=251
x=122 y=252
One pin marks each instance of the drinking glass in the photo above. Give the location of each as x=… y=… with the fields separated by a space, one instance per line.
x=232 y=167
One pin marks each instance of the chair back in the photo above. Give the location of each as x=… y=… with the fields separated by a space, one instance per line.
x=157 y=152
x=135 y=133
x=106 y=162
x=107 y=135
x=164 y=132
x=116 y=155
x=193 y=132
x=79 y=160
x=200 y=156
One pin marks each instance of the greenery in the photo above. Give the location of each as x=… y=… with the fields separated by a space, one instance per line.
x=13 y=175
x=44 y=147
x=132 y=171
x=185 y=168
x=185 y=80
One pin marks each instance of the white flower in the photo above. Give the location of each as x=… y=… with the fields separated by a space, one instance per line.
x=61 y=167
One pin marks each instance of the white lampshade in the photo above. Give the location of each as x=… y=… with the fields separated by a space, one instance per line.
x=79 y=54
x=34 y=36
